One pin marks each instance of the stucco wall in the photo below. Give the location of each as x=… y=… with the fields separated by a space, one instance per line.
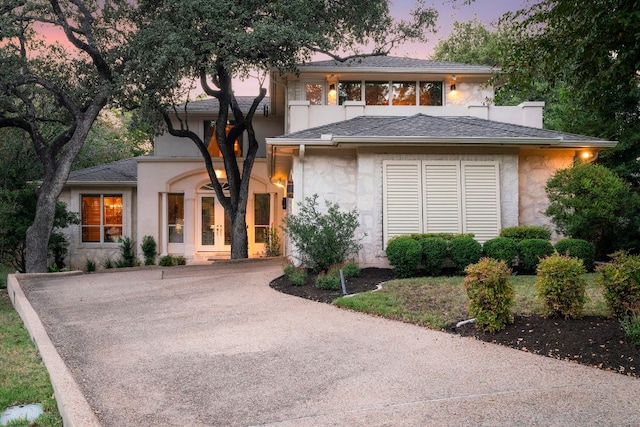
x=535 y=170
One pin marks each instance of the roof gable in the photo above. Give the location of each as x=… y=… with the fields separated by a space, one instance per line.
x=122 y=171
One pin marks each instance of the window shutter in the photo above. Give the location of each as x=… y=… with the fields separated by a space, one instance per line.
x=402 y=198
x=442 y=204
x=481 y=199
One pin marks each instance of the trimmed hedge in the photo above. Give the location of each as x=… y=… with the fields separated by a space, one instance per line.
x=464 y=251
x=531 y=251
x=434 y=252
x=404 y=254
x=578 y=248
x=561 y=287
x=445 y=236
x=501 y=249
x=524 y=232
x=620 y=280
x=490 y=294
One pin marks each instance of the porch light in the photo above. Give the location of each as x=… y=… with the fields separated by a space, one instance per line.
x=453 y=83
x=332 y=89
x=586 y=155
x=453 y=87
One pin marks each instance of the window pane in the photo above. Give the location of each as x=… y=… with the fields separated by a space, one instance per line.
x=91 y=233
x=91 y=218
x=314 y=93
x=260 y=234
x=112 y=210
x=349 y=91
x=404 y=93
x=112 y=234
x=430 y=93
x=261 y=209
x=376 y=93
x=176 y=217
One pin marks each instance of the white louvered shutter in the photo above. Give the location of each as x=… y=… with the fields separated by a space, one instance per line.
x=481 y=199
x=402 y=197
x=442 y=201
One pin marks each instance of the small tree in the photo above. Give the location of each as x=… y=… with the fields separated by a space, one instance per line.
x=590 y=202
x=148 y=247
x=322 y=239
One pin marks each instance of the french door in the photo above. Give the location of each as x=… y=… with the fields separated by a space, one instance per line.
x=214 y=226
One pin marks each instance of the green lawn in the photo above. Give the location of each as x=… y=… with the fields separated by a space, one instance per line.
x=437 y=302
x=23 y=377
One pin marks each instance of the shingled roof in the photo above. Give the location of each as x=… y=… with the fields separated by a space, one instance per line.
x=431 y=128
x=396 y=63
x=210 y=105
x=119 y=172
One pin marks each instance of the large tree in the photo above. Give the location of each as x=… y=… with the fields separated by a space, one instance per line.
x=214 y=43
x=53 y=92
x=590 y=52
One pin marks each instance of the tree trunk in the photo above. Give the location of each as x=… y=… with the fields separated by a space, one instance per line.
x=39 y=232
x=239 y=239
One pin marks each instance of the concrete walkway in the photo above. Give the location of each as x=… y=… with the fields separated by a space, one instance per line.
x=216 y=346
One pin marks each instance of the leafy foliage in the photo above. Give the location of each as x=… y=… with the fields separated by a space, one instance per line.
x=329 y=280
x=631 y=327
x=490 y=294
x=149 y=247
x=531 y=251
x=464 y=251
x=434 y=252
x=501 y=249
x=322 y=239
x=522 y=232
x=296 y=275
x=620 y=280
x=127 y=253
x=470 y=43
x=404 y=254
x=578 y=248
x=272 y=242
x=590 y=202
x=561 y=287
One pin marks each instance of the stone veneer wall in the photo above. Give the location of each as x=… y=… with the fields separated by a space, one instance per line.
x=356 y=182
x=535 y=171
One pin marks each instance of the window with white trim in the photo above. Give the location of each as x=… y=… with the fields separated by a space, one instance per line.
x=441 y=197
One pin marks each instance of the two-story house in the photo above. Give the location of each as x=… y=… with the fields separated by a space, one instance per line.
x=414 y=145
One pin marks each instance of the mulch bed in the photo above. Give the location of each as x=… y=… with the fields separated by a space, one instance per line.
x=594 y=341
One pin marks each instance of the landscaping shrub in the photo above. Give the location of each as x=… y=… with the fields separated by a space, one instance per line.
x=404 y=254
x=127 y=253
x=490 y=294
x=588 y=201
x=434 y=251
x=578 y=248
x=620 y=280
x=501 y=249
x=561 y=286
x=350 y=269
x=296 y=275
x=180 y=260
x=631 y=327
x=58 y=248
x=272 y=244
x=108 y=263
x=329 y=281
x=524 y=232
x=531 y=251
x=445 y=236
x=149 y=250
x=90 y=265
x=322 y=239
x=464 y=251
x=167 y=261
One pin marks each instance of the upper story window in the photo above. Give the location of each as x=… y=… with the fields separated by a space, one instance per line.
x=101 y=218
x=214 y=150
x=376 y=93
x=349 y=91
x=313 y=93
x=431 y=93
x=404 y=93
x=175 y=208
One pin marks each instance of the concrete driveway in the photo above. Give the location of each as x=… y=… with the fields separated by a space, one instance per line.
x=216 y=346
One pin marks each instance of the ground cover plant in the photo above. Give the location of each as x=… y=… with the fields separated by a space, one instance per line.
x=24 y=378
x=595 y=339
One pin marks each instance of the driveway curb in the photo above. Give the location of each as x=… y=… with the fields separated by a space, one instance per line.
x=72 y=404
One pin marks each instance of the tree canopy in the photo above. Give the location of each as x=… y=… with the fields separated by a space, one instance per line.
x=213 y=44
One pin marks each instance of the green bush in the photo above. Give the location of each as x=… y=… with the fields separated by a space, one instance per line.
x=434 y=251
x=127 y=253
x=631 y=328
x=272 y=244
x=322 y=239
x=149 y=250
x=167 y=261
x=501 y=249
x=445 y=236
x=524 y=232
x=490 y=294
x=561 y=286
x=296 y=275
x=464 y=251
x=404 y=255
x=90 y=265
x=108 y=263
x=58 y=248
x=329 y=281
x=620 y=280
x=350 y=269
x=531 y=251
x=180 y=260
x=578 y=248
x=590 y=202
